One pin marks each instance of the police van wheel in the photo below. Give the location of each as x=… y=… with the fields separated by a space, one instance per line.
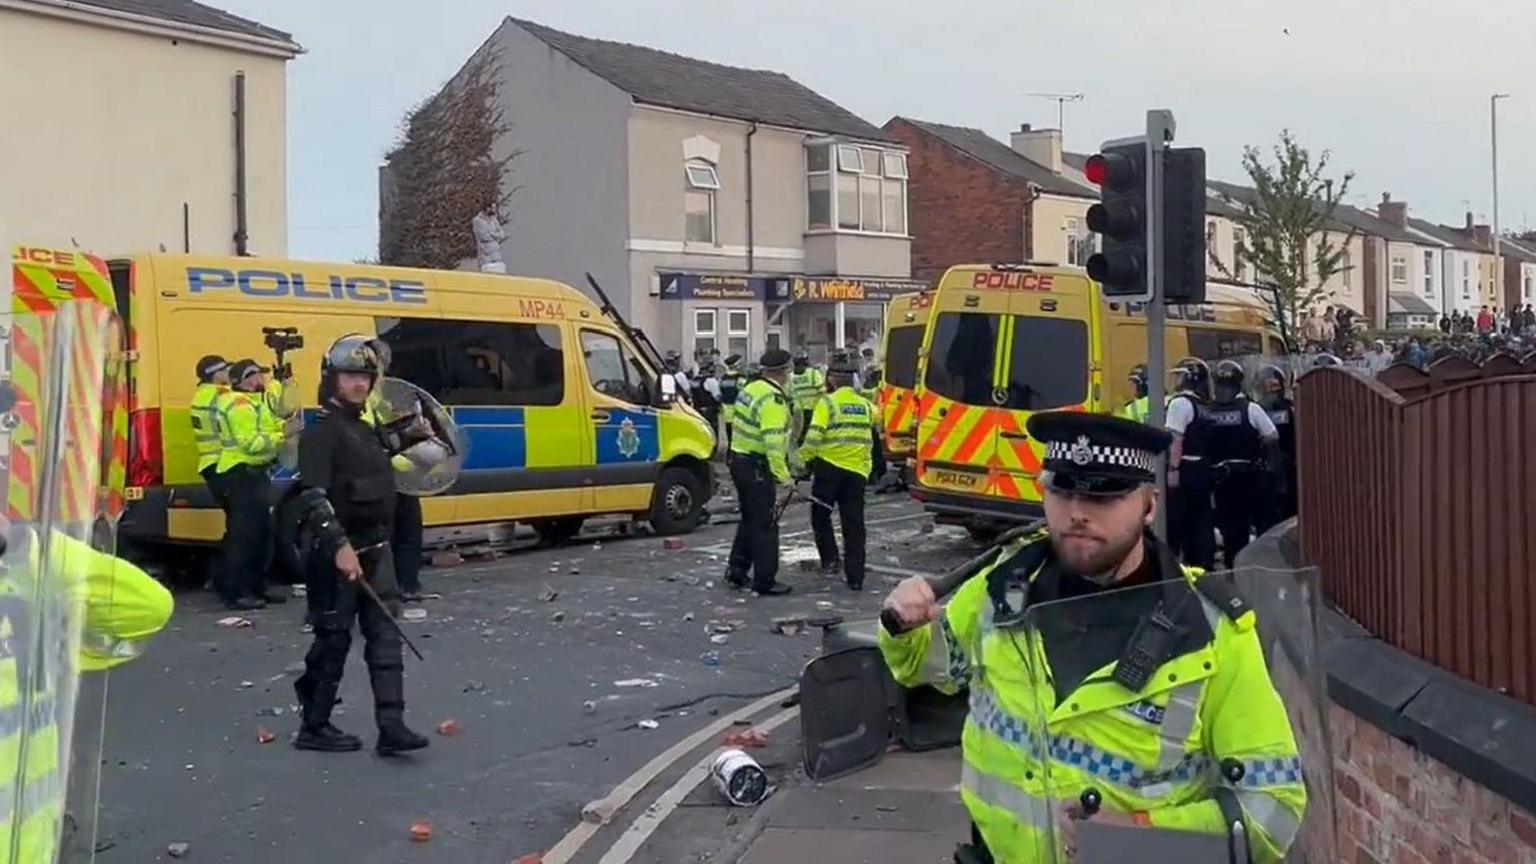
x=678 y=503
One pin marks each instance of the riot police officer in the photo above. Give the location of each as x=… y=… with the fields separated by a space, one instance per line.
x=730 y=390
x=1239 y=448
x=706 y=395
x=843 y=453
x=347 y=504
x=759 y=466
x=1137 y=409
x=1189 y=485
x=806 y=387
x=1282 y=412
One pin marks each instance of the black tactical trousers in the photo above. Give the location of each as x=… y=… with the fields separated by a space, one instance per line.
x=844 y=490
x=1190 y=533
x=336 y=603
x=756 y=547
x=1242 y=497
x=406 y=543
x=247 y=547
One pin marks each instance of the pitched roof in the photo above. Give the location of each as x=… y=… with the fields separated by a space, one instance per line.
x=1525 y=250
x=673 y=81
x=1247 y=194
x=1447 y=235
x=195 y=14
x=1367 y=222
x=984 y=148
x=1406 y=303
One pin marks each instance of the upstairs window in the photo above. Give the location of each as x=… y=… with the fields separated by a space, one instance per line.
x=852 y=187
x=703 y=181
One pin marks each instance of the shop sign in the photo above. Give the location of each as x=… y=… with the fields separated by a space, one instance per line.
x=834 y=290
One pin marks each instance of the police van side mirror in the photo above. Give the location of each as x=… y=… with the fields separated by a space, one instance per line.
x=668 y=393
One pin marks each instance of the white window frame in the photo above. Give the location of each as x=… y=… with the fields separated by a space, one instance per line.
x=1399 y=270
x=1429 y=273
x=1069 y=228
x=863 y=165
x=1239 y=266
x=702 y=178
x=743 y=332
x=712 y=333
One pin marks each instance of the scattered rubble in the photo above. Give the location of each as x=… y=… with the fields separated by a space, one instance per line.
x=673 y=544
x=447 y=558
x=558 y=617
x=178 y=850
x=710 y=658
x=473 y=686
x=421 y=831
x=648 y=724
x=719 y=639
x=265 y=735
x=788 y=626
x=589 y=707
x=749 y=738
x=637 y=682
x=448 y=728
x=548 y=594
x=236 y=621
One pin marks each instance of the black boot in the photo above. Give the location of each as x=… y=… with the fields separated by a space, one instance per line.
x=735 y=578
x=327 y=739
x=832 y=568
x=396 y=738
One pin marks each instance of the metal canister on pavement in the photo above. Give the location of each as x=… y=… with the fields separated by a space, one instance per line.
x=739 y=778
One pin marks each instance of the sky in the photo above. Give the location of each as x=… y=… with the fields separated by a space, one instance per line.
x=1397 y=90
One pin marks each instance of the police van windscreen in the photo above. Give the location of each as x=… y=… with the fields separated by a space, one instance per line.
x=962 y=356
x=1047 y=364
x=901 y=356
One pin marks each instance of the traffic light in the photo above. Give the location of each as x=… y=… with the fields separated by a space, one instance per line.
x=1120 y=217
x=1183 y=261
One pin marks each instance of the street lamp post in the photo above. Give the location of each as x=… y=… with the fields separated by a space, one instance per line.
x=1498 y=260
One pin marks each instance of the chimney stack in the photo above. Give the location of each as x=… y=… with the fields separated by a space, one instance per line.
x=1395 y=212
x=1468 y=227
x=1483 y=234
x=1041 y=146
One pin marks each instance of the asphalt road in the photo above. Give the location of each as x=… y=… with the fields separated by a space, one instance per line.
x=183 y=763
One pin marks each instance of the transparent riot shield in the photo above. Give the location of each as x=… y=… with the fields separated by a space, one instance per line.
x=1175 y=725
x=431 y=466
x=53 y=583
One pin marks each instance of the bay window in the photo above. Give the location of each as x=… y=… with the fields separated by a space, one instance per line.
x=855 y=188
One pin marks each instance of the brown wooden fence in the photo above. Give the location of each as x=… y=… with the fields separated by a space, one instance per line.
x=1420 y=508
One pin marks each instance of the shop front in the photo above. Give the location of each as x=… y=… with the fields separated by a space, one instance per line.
x=741 y=314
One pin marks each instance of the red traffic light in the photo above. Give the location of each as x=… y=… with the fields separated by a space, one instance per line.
x=1096 y=170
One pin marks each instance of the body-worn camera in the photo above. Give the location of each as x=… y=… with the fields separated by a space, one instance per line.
x=282 y=340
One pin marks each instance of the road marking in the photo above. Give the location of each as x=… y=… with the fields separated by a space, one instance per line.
x=647 y=822
x=572 y=842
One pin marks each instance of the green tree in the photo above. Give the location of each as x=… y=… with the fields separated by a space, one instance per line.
x=1289 y=237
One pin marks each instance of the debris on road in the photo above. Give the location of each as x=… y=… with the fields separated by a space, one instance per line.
x=825 y=604
x=648 y=724
x=178 y=850
x=597 y=812
x=582 y=742
x=413 y=613
x=473 y=686
x=558 y=617
x=447 y=558
x=788 y=626
x=710 y=658
x=688 y=616
x=728 y=625
x=246 y=685
x=421 y=831
x=749 y=738
x=548 y=594
x=925 y=527
x=673 y=544
x=269 y=712
x=448 y=728
x=886 y=808
x=739 y=778
x=719 y=638
x=589 y=707
x=236 y=621
x=264 y=735
x=637 y=682
x=530 y=859
x=299 y=589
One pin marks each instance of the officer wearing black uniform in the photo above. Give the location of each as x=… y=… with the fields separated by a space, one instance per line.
x=1282 y=412
x=347 y=504
x=731 y=382
x=1189 y=485
x=1239 y=448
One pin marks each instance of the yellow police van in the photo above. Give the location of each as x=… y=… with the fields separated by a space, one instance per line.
x=906 y=319
x=1005 y=341
x=564 y=410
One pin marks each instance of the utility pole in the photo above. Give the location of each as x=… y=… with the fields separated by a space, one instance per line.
x=1061 y=100
x=1498 y=260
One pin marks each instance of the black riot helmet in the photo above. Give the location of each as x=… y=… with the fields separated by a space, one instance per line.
x=672 y=362
x=1272 y=379
x=1228 y=379
x=1195 y=376
x=1138 y=378
x=351 y=353
x=802 y=361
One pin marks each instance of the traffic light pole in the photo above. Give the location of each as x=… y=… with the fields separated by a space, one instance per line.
x=1160 y=131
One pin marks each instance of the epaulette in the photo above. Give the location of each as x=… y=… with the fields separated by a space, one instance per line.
x=1224 y=596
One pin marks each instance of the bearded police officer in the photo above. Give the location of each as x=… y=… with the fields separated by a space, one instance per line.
x=843 y=453
x=1205 y=694
x=347 y=504
x=806 y=387
x=1189 y=484
x=1241 y=446
x=759 y=467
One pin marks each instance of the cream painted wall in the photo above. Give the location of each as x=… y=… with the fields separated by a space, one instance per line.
x=1048 y=240
x=112 y=131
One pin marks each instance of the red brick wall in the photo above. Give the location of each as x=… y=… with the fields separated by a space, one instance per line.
x=959 y=210
x=1398 y=806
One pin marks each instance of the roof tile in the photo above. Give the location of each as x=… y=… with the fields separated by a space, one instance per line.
x=189 y=12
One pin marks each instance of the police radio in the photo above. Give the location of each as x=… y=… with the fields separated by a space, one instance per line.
x=282 y=340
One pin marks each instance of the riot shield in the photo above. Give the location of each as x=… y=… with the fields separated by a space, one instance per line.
x=1174 y=724
x=57 y=582
x=431 y=466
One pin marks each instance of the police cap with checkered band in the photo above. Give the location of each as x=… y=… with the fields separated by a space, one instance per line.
x=1097 y=454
